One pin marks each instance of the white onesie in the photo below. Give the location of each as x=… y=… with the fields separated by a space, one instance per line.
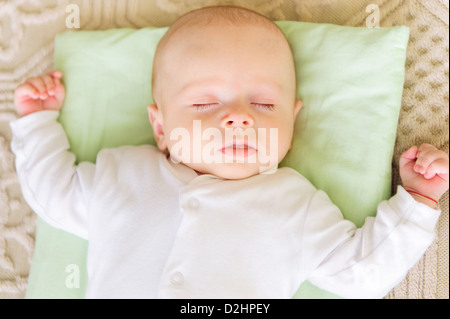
x=158 y=230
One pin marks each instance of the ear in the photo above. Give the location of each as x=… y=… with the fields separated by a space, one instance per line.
x=298 y=106
x=156 y=120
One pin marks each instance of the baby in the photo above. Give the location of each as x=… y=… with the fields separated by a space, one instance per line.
x=168 y=223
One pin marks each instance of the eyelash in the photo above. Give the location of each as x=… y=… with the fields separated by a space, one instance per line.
x=204 y=107
x=269 y=107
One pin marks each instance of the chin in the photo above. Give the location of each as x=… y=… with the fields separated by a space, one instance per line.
x=235 y=171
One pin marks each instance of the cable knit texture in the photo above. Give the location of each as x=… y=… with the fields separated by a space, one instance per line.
x=27 y=30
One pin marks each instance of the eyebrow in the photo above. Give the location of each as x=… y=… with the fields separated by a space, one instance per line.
x=270 y=86
x=197 y=83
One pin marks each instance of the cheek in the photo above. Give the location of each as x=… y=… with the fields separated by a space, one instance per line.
x=176 y=132
x=285 y=136
x=284 y=142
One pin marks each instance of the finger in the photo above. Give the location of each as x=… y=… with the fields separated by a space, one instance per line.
x=25 y=89
x=421 y=153
x=56 y=74
x=49 y=85
x=39 y=85
x=408 y=156
x=424 y=159
x=56 y=82
x=59 y=88
x=425 y=147
x=438 y=167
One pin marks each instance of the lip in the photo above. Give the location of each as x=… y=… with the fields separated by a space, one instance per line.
x=239 y=150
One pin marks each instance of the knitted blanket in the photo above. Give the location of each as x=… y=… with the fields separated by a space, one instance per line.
x=27 y=30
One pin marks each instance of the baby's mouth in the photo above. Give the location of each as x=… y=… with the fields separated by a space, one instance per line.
x=239 y=150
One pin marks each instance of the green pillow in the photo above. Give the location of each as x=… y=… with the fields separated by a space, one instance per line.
x=350 y=80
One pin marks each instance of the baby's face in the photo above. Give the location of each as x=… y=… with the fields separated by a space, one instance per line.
x=226 y=101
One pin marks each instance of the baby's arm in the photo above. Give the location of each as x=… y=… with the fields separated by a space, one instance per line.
x=367 y=262
x=371 y=260
x=55 y=188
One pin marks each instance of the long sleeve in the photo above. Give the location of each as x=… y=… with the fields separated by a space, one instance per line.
x=55 y=188
x=368 y=262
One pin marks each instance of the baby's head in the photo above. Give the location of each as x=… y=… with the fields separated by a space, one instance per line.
x=224 y=87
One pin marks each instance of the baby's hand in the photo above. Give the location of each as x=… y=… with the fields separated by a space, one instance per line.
x=425 y=170
x=38 y=94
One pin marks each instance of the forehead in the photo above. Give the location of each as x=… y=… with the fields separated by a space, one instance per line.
x=246 y=52
x=231 y=38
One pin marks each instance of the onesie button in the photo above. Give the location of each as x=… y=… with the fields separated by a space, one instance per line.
x=177 y=279
x=194 y=203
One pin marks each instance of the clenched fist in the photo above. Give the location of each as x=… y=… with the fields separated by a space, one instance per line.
x=424 y=170
x=40 y=93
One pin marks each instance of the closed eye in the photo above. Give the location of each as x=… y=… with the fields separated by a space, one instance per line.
x=204 y=107
x=268 y=107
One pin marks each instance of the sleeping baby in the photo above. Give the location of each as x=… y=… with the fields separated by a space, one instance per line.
x=208 y=213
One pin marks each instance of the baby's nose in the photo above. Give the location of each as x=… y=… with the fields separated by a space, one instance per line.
x=236 y=119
